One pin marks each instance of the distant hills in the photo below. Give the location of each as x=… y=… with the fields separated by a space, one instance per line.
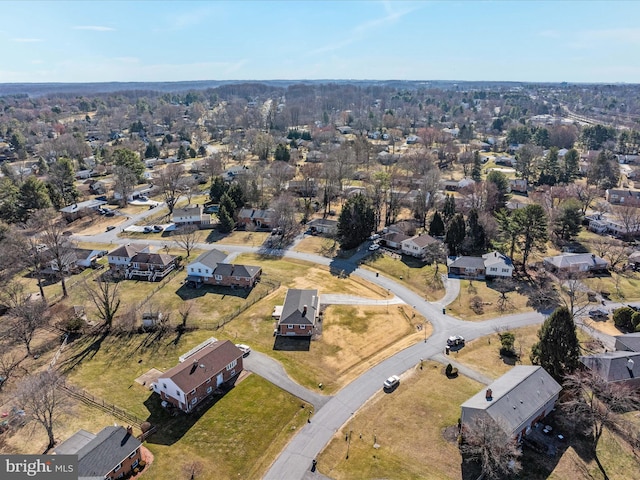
x=40 y=89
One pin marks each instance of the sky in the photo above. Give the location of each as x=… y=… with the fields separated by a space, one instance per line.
x=147 y=41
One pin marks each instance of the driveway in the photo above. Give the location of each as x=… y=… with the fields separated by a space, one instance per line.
x=340 y=299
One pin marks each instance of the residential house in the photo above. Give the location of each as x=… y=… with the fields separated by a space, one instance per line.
x=518 y=185
x=259 y=218
x=467 y=267
x=113 y=453
x=210 y=269
x=191 y=215
x=416 y=246
x=629 y=342
x=81 y=209
x=300 y=313
x=345 y=130
x=412 y=139
x=634 y=260
x=323 y=226
x=394 y=239
x=305 y=188
x=200 y=373
x=575 y=262
x=616 y=196
x=497 y=265
x=141 y=262
x=454 y=185
x=615 y=367
x=517 y=401
x=74 y=258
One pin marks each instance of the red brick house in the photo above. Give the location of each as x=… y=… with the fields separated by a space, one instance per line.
x=210 y=269
x=113 y=453
x=259 y=218
x=199 y=374
x=300 y=313
x=140 y=262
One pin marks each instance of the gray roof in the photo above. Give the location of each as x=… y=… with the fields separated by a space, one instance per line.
x=293 y=308
x=74 y=443
x=567 y=260
x=211 y=258
x=102 y=454
x=614 y=366
x=629 y=342
x=76 y=207
x=127 y=251
x=323 y=222
x=395 y=237
x=245 y=271
x=421 y=240
x=468 y=262
x=516 y=397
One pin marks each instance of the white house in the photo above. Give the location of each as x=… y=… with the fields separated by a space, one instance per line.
x=191 y=215
x=121 y=256
x=497 y=264
x=416 y=246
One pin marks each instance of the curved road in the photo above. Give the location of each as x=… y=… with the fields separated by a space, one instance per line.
x=332 y=412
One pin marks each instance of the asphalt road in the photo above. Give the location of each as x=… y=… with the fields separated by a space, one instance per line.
x=331 y=413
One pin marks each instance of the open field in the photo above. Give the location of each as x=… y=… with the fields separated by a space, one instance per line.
x=619 y=287
x=318 y=245
x=411 y=272
x=483 y=354
x=516 y=302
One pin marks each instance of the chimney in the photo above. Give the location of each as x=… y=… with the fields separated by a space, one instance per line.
x=489 y=395
x=129 y=430
x=304 y=311
x=630 y=364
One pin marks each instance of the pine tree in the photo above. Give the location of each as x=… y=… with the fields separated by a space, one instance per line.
x=558 y=348
x=449 y=208
x=218 y=188
x=436 y=227
x=226 y=220
x=456 y=231
x=356 y=222
x=476 y=171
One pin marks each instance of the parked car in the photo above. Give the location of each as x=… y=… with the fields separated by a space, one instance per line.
x=245 y=349
x=455 y=340
x=158 y=228
x=391 y=382
x=598 y=313
x=373 y=247
x=110 y=227
x=148 y=230
x=375 y=236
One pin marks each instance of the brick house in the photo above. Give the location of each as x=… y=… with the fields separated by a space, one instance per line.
x=300 y=313
x=623 y=197
x=113 y=453
x=259 y=218
x=140 y=262
x=517 y=400
x=199 y=374
x=191 y=215
x=210 y=269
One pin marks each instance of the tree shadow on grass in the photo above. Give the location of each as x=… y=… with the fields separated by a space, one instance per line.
x=341 y=268
x=86 y=353
x=171 y=428
x=292 y=344
x=187 y=292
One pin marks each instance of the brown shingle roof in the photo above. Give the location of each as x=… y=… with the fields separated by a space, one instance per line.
x=127 y=251
x=188 y=374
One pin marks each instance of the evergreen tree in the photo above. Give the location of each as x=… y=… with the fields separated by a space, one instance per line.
x=568 y=222
x=456 y=231
x=476 y=171
x=282 y=153
x=61 y=184
x=604 y=172
x=217 y=189
x=229 y=205
x=541 y=138
x=226 y=220
x=236 y=192
x=534 y=225
x=123 y=157
x=476 y=236
x=32 y=196
x=182 y=153
x=558 y=349
x=549 y=169
x=570 y=166
x=152 y=150
x=436 y=227
x=356 y=222
x=449 y=208
x=501 y=182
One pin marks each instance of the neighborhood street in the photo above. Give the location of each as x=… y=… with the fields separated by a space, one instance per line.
x=332 y=412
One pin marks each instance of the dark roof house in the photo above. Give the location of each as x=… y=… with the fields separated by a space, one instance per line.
x=629 y=342
x=615 y=367
x=299 y=312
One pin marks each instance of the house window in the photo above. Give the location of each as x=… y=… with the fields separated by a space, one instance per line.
x=289 y=326
x=218 y=277
x=194 y=400
x=199 y=270
x=135 y=464
x=135 y=264
x=494 y=269
x=232 y=373
x=178 y=392
x=164 y=385
x=118 y=467
x=302 y=327
x=237 y=278
x=206 y=270
x=505 y=270
x=232 y=364
x=192 y=269
x=135 y=452
x=208 y=380
x=209 y=390
x=193 y=392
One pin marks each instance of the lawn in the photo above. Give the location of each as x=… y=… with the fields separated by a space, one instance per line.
x=408 y=425
x=411 y=272
x=240 y=433
x=461 y=307
x=620 y=287
x=317 y=245
x=483 y=354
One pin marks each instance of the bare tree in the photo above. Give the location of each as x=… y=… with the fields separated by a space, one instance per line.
x=629 y=219
x=577 y=293
x=106 y=298
x=486 y=441
x=168 y=182
x=41 y=396
x=187 y=238
x=26 y=315
x=286 y=214
x=585 y=194
x=125 y=180
x=595 y=405
x=58 y=246
x=503 y=286
x=184 y=311
x=9 y=362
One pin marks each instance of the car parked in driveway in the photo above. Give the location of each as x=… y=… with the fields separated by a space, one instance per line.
x=598 y=313
x=392 y=382
x=373 y=247
x=148 y=230
x=245 y=349
x=110 y=227
x=158 y=228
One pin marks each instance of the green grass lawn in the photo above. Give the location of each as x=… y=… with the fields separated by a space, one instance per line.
x=620 y=287
x=410 y=272
x=516 y=302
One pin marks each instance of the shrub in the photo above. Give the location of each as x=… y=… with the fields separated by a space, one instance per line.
x=635 y=320
x=622 y=318
x=450 y=370
x=477 y=305
x=507 y=339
